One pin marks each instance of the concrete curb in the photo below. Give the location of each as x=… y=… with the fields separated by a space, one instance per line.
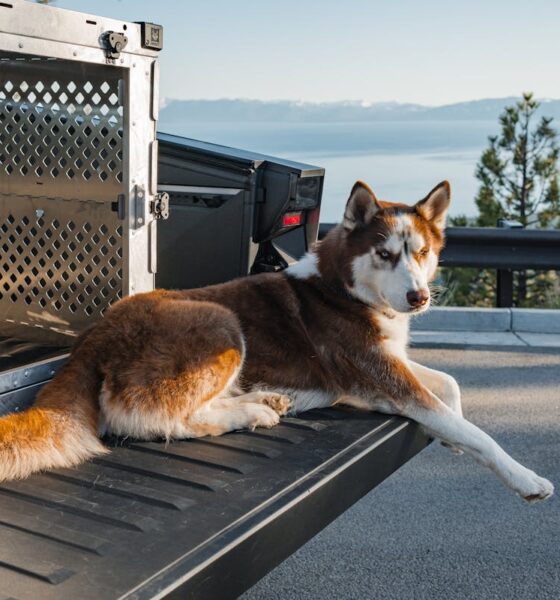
x=454 y=318
x=506 y=340
x=535 y=320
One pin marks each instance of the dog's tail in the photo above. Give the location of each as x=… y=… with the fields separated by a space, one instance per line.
x=60 y=430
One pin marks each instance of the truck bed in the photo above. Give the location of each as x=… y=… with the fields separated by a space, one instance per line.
x=200 y=518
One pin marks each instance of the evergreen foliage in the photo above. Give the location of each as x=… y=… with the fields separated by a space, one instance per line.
x=518 y=175
x=518 y=171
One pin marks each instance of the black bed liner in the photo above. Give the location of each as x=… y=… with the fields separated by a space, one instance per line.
x=194 y=519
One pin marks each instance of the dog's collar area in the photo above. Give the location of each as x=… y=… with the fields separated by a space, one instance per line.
x=385 y=311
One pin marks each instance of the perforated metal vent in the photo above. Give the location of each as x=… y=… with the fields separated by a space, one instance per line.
x=61 y=266
x=61 y=126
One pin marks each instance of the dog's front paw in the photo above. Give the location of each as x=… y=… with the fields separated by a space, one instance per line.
x=534 y=487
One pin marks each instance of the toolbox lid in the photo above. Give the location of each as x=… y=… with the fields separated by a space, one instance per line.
x=235 y=156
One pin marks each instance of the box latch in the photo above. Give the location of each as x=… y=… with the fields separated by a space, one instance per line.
x=115 y=43
x=159 y=206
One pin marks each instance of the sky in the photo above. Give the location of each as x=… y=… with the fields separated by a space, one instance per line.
x=422 y=51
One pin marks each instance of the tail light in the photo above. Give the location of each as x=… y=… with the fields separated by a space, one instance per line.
x=292 y=219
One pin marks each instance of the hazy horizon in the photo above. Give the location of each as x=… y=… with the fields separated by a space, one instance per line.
x=429 y=53
x=253 y=110
x=357 y=102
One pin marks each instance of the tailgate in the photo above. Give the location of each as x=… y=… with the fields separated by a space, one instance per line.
x=198 y=518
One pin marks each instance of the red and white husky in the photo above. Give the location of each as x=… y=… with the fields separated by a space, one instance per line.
x=331 y=328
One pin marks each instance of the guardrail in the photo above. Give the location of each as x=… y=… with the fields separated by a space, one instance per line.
x=506 y=250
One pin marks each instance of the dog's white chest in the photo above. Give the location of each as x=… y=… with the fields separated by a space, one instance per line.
x=394 y=330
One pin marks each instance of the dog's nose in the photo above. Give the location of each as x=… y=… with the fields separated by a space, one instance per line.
x=417 y=298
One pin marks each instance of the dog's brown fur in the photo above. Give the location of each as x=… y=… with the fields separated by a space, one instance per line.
x=168 y=352
x=177 y=363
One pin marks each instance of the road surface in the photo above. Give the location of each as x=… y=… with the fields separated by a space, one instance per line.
x=443 y=527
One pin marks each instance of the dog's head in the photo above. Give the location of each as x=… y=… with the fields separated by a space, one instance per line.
x=392 y=249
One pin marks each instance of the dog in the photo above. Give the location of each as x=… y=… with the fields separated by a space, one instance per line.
x=332 y=328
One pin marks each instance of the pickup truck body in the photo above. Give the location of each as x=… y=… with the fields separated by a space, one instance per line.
x=80 y=216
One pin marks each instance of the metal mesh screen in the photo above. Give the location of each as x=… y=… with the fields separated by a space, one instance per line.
x=61 y=167
x=58 y=268
x=61 y=127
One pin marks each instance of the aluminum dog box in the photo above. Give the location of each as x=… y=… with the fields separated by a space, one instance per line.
x=78 y=174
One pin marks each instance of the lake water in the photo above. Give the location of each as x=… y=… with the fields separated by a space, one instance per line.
x=401 y=160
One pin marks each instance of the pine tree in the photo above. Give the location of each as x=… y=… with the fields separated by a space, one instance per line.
x=519 y=170
x=519 y=179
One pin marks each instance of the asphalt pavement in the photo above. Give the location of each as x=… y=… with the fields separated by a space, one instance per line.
x=443 y=527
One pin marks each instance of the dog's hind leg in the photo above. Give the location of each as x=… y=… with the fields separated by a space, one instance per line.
x=221 y=415
x=280 y=403
x=172 y=384
x=166 y=406
x=245 y=411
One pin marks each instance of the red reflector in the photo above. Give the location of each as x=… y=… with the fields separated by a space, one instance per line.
x=291 y=219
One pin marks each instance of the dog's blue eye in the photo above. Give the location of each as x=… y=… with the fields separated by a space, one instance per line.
x=384 y=255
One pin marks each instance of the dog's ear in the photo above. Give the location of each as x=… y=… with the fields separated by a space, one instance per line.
x=434 y=206
x=361 y=206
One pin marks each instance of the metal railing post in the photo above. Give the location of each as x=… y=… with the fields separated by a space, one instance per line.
x=504 y=288
x=504 y=277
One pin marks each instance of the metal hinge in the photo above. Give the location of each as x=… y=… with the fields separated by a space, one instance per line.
x=159 y=206
x=115 y=43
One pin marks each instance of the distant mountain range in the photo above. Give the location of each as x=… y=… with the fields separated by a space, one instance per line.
x=175 y=111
